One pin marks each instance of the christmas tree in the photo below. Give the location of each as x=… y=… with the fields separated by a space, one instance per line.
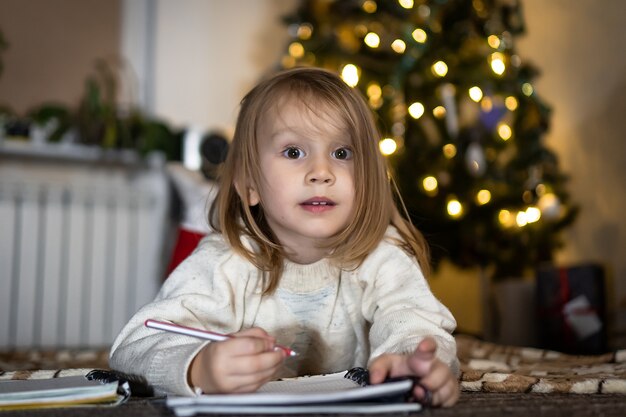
x=463 y=127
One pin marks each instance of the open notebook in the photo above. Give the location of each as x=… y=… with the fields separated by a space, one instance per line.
x=70 y=391
x=330 y=393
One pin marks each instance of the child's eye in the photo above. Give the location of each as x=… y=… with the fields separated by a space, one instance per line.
x=343 y=153
x=293 y=153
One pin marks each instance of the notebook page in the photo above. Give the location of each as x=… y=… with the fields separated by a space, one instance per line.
x=307 y=384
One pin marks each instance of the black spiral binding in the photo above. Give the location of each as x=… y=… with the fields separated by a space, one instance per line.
x=127 y=384
x=362 y=377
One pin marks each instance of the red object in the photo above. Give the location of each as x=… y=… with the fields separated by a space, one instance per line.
x=186 y=242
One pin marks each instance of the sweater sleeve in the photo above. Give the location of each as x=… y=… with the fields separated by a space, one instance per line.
x=401 y=308
x=199 y=293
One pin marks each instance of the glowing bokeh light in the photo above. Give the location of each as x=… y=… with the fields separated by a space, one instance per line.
x=387 y=146
x=350 y=75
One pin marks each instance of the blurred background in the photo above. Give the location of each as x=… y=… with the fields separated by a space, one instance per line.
x=114 y=116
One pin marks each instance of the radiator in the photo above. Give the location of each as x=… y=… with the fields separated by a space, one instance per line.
x=81 y=249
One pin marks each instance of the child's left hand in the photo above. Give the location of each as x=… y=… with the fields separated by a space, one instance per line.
x=434 y=375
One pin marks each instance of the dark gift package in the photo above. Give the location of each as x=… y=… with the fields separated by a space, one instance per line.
x=571 y=309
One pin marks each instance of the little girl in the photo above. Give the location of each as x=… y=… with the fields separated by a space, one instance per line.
x=308 y=251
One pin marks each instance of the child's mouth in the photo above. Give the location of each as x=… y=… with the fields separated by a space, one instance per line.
x=317 y=205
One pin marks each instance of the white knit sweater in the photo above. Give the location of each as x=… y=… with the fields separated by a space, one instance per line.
x=334 y=319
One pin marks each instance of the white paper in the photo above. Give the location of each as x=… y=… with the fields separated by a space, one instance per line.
x=581 y=318
x=331 y=393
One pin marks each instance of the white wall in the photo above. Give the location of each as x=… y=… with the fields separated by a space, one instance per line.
x=209 y=53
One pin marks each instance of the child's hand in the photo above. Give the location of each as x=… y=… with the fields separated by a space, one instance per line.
x=434 y=374
x=240 y=364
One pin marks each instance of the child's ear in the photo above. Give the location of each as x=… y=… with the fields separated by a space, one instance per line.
x=252 y=195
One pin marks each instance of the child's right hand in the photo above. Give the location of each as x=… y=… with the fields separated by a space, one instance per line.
x=240 y=364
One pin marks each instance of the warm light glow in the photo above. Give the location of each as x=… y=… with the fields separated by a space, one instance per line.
x=511 y=103
x=540 y=189
x=419 y=35
x=430 y=184
x=533 y=214
x=440 y=69
x=549 y=205
x=372 y=40
x=376 y=102
x=387 y=146
x=398 y=46
x=486 y=104
x=416 y=110
x=296 y=50
x=305 y=31
x=287 y=61
x=483 y=197
x=521 y=219
x=497 y=63
x=449 y=150
x=439 y=112
x=527 y=89
x=374 y=90
x=407 y=4
x=350 y=75
x=493 y=41
x=476 y=93
x=455 y=208
x=369 y=6
x=504 y=131
x=505 y=218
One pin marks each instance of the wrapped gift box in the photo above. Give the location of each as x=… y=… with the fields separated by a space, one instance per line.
x=571 y=309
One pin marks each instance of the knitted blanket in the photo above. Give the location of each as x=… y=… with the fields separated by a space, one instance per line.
x=485 y=367
x=490 y=367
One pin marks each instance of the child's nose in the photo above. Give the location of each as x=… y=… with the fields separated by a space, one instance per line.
x=320 y=172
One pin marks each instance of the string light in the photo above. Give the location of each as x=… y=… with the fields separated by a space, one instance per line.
x=540 y=189
x=350 y=75
x=296 y=50
x=511 y=103
x=288 y=61
x=372 y=40
x=398 y=46
x=476 y=93
x=527 y=89
x=497 y=63
x=504 y=131
x=449 y=150
x=533 y=214
x=407 y=4
x=483 y=197
x=521 y=219
x=440 y=69
x=387 y=146
x=505 y=218
x=416 y=110
x=486 y=104
x=370 y=6
x=305 y=31
x=374 y=90
x=419 y=35
x=493 y=41
x=454 y=207
x=430 y=184
x=439 y=112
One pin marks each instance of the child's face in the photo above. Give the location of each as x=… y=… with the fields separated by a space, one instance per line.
x=307 y=166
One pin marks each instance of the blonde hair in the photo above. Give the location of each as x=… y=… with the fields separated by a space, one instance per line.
x=374 y=206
